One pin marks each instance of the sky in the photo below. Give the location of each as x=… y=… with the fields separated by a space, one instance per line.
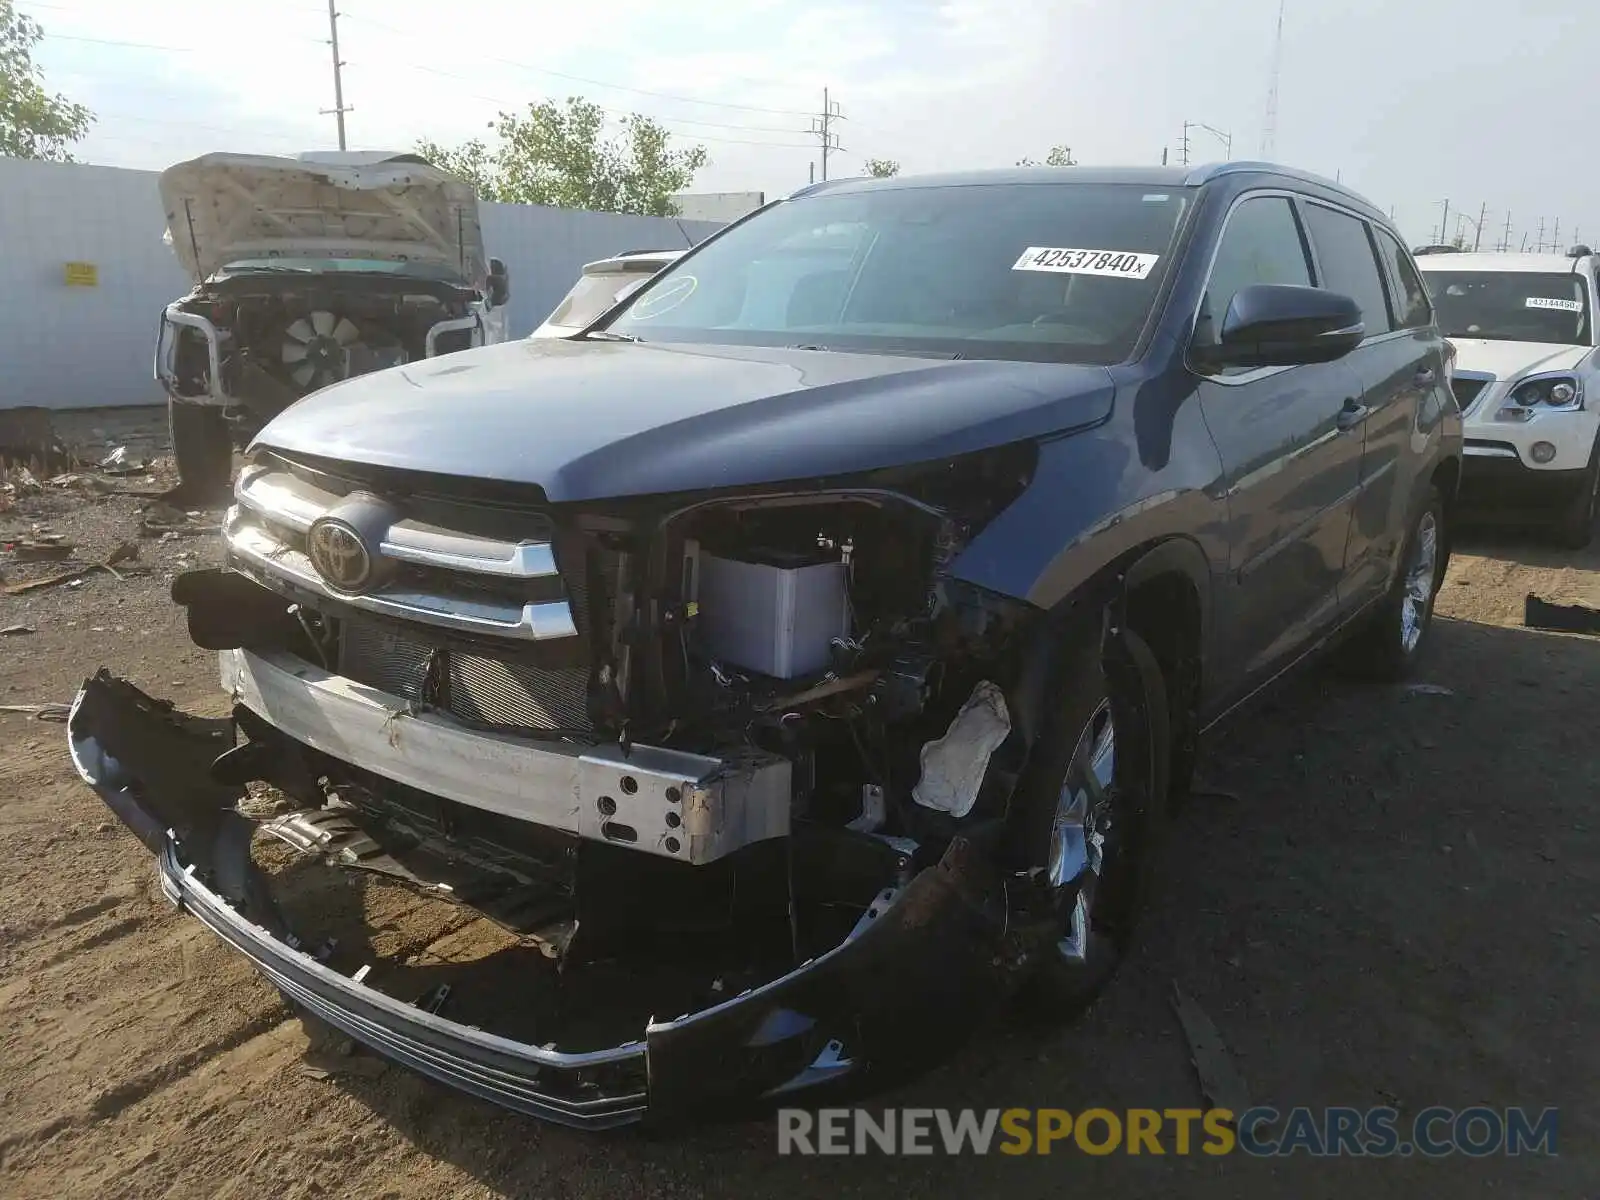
x=1411 y=102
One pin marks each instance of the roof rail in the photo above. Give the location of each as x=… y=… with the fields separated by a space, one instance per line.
x=1579 y=251
x=1436 y=249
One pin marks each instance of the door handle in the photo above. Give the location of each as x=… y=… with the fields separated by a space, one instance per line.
x=1424 y=377
x=1351 y=415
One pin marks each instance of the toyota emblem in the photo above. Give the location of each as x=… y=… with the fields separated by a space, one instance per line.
x=339 y=555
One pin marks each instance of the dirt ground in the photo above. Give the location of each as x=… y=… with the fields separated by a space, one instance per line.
x=1400 y=904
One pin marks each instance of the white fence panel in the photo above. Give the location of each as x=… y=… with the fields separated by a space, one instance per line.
x=85 y=345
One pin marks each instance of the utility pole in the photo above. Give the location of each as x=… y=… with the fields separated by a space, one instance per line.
x=1539 y=248
x=1524 y=243
x=1555 y=238
x=1505 y=242
x=1183 y=147
x=1221 y=135
x=338 y=110
x=1477 y=235
x=1444 y=221
x=822 y=127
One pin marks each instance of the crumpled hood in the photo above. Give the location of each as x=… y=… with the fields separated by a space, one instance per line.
x=389 y=207
x=589 y=420
x=1504 y=360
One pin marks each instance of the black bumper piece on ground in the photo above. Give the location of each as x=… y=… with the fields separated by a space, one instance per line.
x=919 y=971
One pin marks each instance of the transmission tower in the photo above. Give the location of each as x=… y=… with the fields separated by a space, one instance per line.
x=822 y=127
x=1269 y=127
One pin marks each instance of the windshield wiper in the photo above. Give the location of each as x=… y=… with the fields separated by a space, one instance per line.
x=605 y=335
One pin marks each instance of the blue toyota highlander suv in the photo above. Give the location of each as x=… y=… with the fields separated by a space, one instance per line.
x=806 y=656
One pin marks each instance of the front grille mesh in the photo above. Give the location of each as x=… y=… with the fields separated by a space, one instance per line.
x=481 y=687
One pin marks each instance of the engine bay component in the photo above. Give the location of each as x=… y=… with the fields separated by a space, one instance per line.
x=776 y=613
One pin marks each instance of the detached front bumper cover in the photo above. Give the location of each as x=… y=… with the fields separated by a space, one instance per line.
x=923 y=967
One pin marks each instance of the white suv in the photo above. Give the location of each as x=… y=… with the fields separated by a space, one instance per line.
x=1527 y=377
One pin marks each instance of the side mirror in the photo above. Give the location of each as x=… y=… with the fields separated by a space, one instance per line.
x=1279 y=325
x=499 y=283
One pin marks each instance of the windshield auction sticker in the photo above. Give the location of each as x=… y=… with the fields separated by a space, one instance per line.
x=1118 y=264
x=1552 y=302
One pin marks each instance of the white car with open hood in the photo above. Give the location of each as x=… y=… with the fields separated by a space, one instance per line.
x=308 y=271
x=1527 y=377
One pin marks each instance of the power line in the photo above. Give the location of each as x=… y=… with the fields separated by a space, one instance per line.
x=600 y=83
x=503 y=103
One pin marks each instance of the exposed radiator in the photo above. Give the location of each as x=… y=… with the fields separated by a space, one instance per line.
x=478 y=687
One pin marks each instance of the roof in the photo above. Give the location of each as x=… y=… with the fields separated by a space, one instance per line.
x=1491 y=261
x=1173 y=177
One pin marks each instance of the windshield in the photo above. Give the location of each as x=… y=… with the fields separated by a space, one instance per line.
x=345 y=266
x=593 y=294
x=1512 y=306
x=1043 y=271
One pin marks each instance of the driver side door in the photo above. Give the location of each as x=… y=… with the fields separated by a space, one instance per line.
x=1291 y=462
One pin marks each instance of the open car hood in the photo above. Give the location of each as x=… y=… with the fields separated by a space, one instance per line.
x=391 y=207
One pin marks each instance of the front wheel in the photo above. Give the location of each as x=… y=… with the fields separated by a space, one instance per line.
x=1092 y=811
x=1575 y=528
x=1394 y=636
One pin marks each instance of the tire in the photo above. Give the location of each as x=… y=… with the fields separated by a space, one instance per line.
x=1126 y=686
x=203 y=449
x=1391 y=642
x=1575 y=527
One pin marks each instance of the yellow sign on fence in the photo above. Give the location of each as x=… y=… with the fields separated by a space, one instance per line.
x=82 y=274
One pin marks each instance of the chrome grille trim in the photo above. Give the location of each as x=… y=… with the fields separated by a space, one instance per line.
x=259 y=547
x=295 y=503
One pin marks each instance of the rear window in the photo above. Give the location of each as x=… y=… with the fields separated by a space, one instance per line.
x=593 y=294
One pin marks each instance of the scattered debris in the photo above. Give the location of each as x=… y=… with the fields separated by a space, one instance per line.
x=41 y=550
x=1220 y=1081
x=1428 y=689
x=17 y=630
x=40 y=712
x=24 y=482
x=26 y=435
x=160 y=519
x=1561 y=618
x=74 y=578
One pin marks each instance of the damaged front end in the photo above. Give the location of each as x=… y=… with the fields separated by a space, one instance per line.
x=744 y=758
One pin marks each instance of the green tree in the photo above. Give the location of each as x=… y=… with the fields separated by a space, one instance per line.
x=33 y=123
x=882 y=168
x=562 y=156
x=1059 y=156
x=470 y=161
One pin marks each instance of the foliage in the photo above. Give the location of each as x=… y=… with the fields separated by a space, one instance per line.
x=881 y=168
x=1059 y=156
x=563 y=157
x=33 y=123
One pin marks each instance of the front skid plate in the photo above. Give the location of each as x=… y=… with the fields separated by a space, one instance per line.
x=900 y=991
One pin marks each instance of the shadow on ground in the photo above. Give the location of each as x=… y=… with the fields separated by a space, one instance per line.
x=1400 y=908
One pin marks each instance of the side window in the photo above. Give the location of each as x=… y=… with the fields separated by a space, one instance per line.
x=1344 y=252
x=1260 y=244
x=1411 y=307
